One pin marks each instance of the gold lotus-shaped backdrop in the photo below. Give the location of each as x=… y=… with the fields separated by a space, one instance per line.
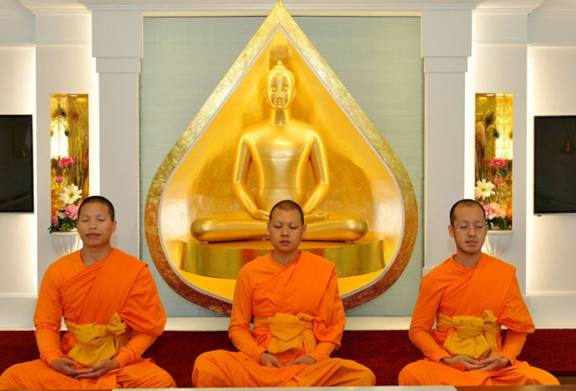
x=195 y=179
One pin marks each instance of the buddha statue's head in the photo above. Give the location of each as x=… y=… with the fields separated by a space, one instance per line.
x=280 y=87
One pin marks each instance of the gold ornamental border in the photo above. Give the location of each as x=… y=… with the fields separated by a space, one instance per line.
x=280 y=18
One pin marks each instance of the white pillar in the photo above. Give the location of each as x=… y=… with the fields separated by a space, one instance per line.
x=117 y=47
x=446 y=47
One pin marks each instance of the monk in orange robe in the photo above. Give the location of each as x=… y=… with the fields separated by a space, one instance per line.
x=111 y=307
x=469 y=297
x=292 y=298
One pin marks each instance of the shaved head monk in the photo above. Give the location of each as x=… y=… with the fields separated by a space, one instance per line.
x=292 y=299
x=111 y=307
x=462 y=305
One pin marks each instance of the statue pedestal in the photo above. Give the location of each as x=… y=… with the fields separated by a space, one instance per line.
x=224 y=259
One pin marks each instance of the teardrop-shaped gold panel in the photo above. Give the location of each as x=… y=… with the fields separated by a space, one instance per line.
x=366 y=179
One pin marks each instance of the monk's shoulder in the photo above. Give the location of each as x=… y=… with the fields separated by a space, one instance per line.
x=126 y=260
x=64 y=263
x=63 y=268
x=439 y=272
x=496 y=265
x=318 y=263
x=257 y=264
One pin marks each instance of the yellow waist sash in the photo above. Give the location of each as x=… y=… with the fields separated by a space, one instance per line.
x=289 y=332
x=473 y=336
x=97 y=342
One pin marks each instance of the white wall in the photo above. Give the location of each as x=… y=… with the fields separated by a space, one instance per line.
x=552 y=265
x=41 y=52
x=499 y=65
x=533 y=57
x=17 y=230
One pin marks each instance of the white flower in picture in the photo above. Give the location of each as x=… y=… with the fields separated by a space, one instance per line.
x=484 y=189
x=70 y=194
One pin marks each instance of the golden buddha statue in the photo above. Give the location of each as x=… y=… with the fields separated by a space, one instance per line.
x=279 y=150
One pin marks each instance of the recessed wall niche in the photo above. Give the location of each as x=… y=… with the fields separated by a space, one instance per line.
x=494 y=139
x=68 y=158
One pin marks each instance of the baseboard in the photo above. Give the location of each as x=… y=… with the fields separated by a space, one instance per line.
x=552 y=310
x=17 y=311
x=567 y=379
x=197 y=324
x=352 y=323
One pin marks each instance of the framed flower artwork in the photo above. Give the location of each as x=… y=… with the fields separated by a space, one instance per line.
x=494 y=141
x=68 y=159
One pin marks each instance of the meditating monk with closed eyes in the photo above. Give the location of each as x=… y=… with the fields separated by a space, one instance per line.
x=292 y=299
x=111 y=307
x=462 y=305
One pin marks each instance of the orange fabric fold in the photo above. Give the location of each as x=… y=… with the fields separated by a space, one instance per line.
x=453 y=291
x=472 y=336
x=297 y=311
x=289 y=332
x=88 y=297
x=264 y=287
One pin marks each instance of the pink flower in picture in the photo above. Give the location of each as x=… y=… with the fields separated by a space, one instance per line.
x=54 y=220
x=498 y=181
x=65 y=162
x=494 y=210
x=59 y=179
x=487 y=210
x=71 y=211
x=498 y=163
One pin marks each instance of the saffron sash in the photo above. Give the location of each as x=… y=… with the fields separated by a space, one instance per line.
x=472 y=336
x=96 y=342
x=289 y=332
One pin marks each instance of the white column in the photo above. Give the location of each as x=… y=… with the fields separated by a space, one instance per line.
x=445 y=48
x=117 y=47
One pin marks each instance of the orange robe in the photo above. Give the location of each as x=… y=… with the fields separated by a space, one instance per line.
x=453 y=290
x=267 y=291
x=119 y=285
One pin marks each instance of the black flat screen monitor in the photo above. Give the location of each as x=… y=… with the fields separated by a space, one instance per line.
x=16 y=164
x=555 y=164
